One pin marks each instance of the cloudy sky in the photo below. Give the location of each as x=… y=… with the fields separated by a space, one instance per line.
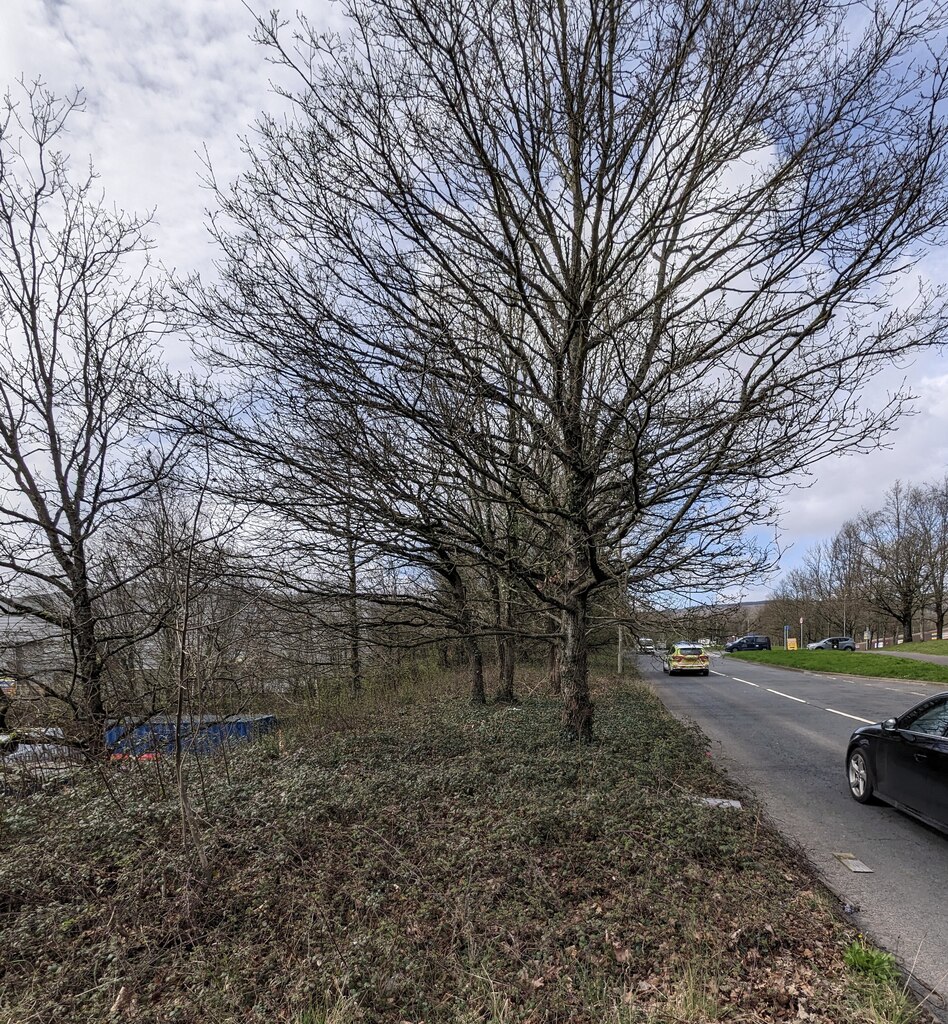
x=163 y=79
x=166 y=79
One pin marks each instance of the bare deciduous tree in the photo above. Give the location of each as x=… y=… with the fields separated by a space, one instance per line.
x=895 y=557
x=933 y=530
x=666 y=238
x=80 y=319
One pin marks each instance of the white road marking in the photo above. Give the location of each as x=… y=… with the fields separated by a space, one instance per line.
x=799 y=700
x=855 y=718
x=918 y=693
x=789 y=696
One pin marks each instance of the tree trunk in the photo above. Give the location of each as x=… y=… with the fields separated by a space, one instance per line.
x=508 y=665
x=556 y=681
x=355 y=641
x=466 y=627
x=939 y=620
x=506 y=655
x=577 y=707
x=476 y=663
x=90 y=717
x=907 y=629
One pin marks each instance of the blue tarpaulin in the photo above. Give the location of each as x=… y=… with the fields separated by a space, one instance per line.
x=200 y=734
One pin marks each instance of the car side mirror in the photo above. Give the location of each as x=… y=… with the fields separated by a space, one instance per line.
x=890 y=724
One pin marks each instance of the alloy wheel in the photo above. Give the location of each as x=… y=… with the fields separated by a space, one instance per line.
x=858 y=774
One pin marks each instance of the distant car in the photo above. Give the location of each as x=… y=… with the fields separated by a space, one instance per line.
x=646 y=645
x=904 y=762
x=833 y=643
x=751 y=642
x=686 y=657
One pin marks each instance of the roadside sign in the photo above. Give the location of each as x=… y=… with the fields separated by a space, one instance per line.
x=791 y=643
x=801 y=620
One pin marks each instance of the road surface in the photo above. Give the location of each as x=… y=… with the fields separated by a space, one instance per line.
x=784 y=735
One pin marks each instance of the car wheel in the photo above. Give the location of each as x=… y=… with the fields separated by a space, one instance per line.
x=859 y=776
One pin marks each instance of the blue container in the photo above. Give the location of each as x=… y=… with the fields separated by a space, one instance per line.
x=200 y=734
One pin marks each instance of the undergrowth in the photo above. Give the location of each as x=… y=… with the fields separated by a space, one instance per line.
x=441 y=863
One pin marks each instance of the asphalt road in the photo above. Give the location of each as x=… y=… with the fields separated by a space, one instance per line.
x=784 y=735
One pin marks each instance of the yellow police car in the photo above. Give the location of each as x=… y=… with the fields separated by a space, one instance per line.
x=686 y=657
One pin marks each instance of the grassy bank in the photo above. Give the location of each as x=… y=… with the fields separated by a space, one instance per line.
x=924 y=647
x=452 y=864
x=852 y=663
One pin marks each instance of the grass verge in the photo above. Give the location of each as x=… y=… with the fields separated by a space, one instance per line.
x=450 y=865
x=923 y=647
x=850 y=663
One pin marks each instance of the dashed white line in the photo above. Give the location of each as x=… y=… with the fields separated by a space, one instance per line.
x=799 y=700
x=855 y=718
x=724 y=675
x=918 y=693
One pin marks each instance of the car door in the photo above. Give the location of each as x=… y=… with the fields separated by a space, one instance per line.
x=915 y=760
x=936 y=781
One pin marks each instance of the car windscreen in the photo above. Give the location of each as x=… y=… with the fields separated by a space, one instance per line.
x=689 y=651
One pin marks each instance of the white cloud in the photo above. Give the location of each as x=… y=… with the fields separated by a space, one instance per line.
x=916 y=452
x=162 y=81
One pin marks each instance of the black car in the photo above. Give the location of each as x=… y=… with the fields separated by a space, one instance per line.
x=751 y=642
x=904 y=761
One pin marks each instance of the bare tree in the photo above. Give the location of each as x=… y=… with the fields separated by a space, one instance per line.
x=665 y=238
x=346 y=493
x=80 y=318
x=933 y=528
x=895 y=556
x=830 y=588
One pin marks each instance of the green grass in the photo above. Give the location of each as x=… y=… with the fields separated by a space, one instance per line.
x=875 y=964
x=924 y=647
x=850 y=663
x=441 y=863
x=887 y=998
